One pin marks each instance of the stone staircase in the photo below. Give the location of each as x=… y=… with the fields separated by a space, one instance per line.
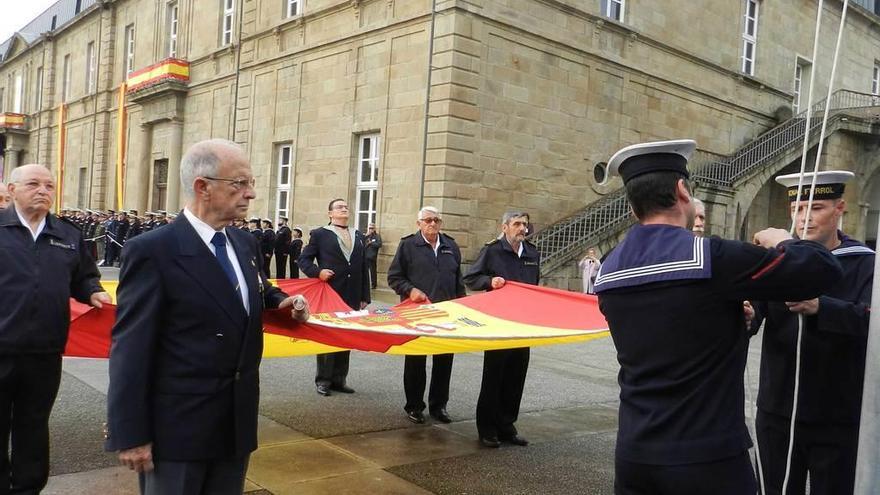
x=604 y=221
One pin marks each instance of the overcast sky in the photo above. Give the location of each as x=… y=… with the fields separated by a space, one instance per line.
x=17 y=13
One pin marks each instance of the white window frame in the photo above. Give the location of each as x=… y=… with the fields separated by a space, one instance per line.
x=65 y=81
x=227 y=22
x=608 y=10
x=875 y=80
x=291 y=8
x=797 y=86
x=173 y=26
x=38 y=97
x=18 y=92
x=282 y=187
x=91 y=68
x=750 y=37
x=128 y=48
x=371 y=185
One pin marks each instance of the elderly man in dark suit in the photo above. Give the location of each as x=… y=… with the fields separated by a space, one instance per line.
x=187 y=343
x=335 y=254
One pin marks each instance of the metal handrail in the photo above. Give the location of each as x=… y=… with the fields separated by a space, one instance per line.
x=610 y=214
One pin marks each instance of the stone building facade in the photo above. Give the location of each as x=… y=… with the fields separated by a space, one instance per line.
x=472 y=106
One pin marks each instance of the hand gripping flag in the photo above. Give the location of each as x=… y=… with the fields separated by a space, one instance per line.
x=517 y=315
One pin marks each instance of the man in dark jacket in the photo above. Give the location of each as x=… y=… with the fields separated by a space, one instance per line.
x=427 y=266
x=335 y=254
x=44 y=263
x=374 y=242
x=188 y=339
x=282 y=248
x=833 y=348
x=267 y=246
x=508 y=257
x=674 y=305
x=296 y=246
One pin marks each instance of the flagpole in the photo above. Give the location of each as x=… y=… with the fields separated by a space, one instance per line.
x=867 y=474
x=62 y=137
x=120 y=147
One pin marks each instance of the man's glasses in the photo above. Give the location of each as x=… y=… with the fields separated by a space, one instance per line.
x=238 y=183
x=340 y=207
x=436 y=220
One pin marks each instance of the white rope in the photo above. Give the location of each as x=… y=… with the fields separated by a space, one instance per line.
x=797 y=368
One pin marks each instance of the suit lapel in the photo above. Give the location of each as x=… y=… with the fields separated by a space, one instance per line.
x=197 y=260
x=249 y=264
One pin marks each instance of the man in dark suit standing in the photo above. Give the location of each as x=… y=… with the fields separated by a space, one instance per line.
x=184 y=363
x=296 y=247
x=267 y=246
x=282 y=248
x=335 y=254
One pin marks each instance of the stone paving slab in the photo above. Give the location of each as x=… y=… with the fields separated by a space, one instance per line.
x=280 y=467
x=374 y=481
x=406 y=446
x=118 y=480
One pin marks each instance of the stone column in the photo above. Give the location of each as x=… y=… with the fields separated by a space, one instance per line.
x=10 y=161
x=138 y=182
x=175 y=152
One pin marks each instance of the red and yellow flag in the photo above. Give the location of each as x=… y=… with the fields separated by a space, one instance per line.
x=517 y=315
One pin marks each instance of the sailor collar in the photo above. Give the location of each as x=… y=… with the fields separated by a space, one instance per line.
x=850 y=247
x=655 y=253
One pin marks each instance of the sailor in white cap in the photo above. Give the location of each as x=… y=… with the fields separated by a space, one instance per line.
x=834 y=342
x=674 y=304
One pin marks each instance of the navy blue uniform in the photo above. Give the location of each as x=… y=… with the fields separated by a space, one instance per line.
x=504 y=371
x=674 y=306
x=833 y=350
x=37 y=280
x=439 y=276
x=282 y=249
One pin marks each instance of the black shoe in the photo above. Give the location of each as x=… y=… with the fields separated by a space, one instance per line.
x=490 y=442
x=323 y=390
x=417 y=417
x=342 y=388
x=441 y=415
x=515 y=440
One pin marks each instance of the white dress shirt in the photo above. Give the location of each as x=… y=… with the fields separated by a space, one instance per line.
x=24 y=222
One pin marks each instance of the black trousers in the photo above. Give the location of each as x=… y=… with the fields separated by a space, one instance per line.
x=415 y=376
x=294 y=268
x=372 y=264
x=28 y=386
x=826 y=451
x=280 y=265
x=732 y=476
x=504 y=376
x=216 y=477
x=332 y=368
x=267 y=264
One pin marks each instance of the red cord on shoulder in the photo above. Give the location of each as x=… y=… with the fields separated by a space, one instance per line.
x=769 y=267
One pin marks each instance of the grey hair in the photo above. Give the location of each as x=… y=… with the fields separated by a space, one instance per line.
x=697 y=201
x=15 y=175
x=428 y=209
x=202 y=160
x=510 y=215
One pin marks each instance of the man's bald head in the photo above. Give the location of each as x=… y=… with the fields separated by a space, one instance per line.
x=203 y=159
x=5 y=198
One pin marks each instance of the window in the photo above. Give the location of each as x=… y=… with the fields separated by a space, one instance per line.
x=78 y=8
x=283 y=182
x=91 y=68
x=367 y=181
x=613 y=9
x=226 y=26
x=18 y=93
x=38 y=90
x=129 y=50
x=65 y=82
x=2 y=102
x=172 y=29
x=750 y=36
x=291 y=8
x=798 y=86
x=875 y=80
x=83 y=187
